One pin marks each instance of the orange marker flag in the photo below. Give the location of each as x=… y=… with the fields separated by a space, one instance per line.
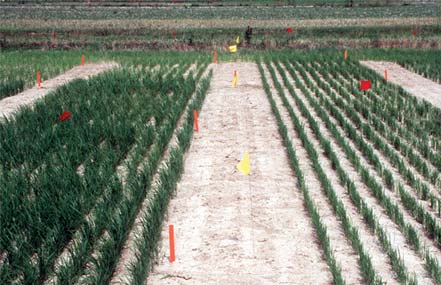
x=215 y=57
x=195 y=120
x=171 y=235
x=38 y=79
x=82 y=59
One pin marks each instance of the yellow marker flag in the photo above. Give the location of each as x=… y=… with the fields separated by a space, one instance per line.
x=234 y=83
x=244 y=164
x=232 y=48
x=238 y=40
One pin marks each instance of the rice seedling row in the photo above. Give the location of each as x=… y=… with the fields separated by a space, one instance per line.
x=321 y=230
x=397 y=263
x=429 y=252
x=424 y=192
x=330 y=192
x=28 y=252
x=128 y=170
x=410 y=233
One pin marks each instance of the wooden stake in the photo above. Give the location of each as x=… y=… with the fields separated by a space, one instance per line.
x=38 y=79
x=195 y=120
x=346 y=54
x=215 y=57
x=385 y=74
x=171 y=234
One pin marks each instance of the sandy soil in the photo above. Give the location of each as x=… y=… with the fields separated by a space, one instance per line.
x=413 y=83
x=10 y=105
x=231 y=228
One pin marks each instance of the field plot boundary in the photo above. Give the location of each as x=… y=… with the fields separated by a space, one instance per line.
x=12 y=104
x=412 y=82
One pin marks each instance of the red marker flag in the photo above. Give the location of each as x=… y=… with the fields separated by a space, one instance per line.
x=289 y=30
x=365 y=85
x=174 y=34
x=65 y=115
x=414 y=32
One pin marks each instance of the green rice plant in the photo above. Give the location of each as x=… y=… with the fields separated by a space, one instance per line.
x=392 y=210
x=422 y=188
x=310 y=206
x=146 y=240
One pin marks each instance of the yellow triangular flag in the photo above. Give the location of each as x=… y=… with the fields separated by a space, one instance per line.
x=244 y=164
x=233 y=84
x=232 y=48
x=238 y=40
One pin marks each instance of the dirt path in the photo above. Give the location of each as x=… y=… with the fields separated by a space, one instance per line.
x=10 y=105
x=413 y=83
x=231 y=228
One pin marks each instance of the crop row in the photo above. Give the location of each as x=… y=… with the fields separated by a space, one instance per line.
x=68 y=206
x=226 y=13
x=413 y=220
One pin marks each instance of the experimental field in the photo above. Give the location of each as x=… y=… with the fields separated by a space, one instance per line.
x=272 y=164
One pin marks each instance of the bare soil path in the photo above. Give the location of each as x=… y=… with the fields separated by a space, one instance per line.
x=10 y=105
x=231 y=228
x=413 y=83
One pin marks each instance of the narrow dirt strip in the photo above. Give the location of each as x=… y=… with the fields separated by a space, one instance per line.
x=10 y=105
x=413 y=83
x=231 y=228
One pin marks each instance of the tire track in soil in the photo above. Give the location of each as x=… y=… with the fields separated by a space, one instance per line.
x=231 y=228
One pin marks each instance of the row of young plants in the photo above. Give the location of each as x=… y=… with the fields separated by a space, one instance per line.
x=71 y=142
x=427 y=161
x=390 y=207
x=357 y=199
x=42 y=208
x=423 y=190
x=106 y=253
x=136 y=164
x=427 y=171
x=114 y=94
x=419 y=115
x=149 y=235
x=369 y=274
x=322 y=232
x=383 y=172
x=60 y=12
x=372 y=104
